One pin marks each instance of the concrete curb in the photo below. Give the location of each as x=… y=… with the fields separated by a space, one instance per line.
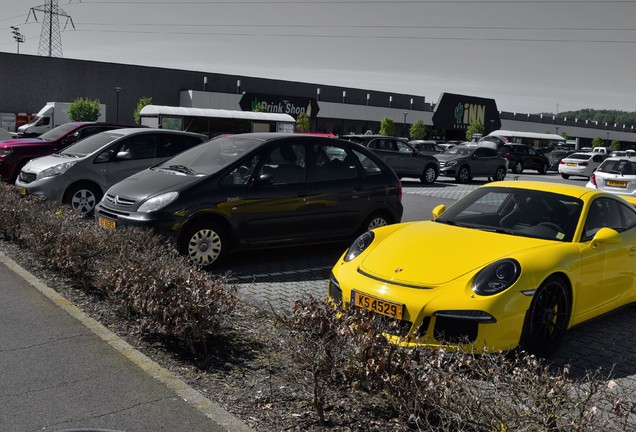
x=207 y=407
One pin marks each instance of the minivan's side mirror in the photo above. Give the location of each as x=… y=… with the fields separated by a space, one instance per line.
x=264 y=179
x=124 y=155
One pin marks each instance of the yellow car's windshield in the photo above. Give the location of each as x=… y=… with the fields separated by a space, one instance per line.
x=517 y=211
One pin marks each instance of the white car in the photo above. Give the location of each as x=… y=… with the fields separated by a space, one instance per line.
x=615 y=175
x=580 y=164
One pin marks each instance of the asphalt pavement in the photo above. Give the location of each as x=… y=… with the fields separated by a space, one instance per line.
x=61 y=369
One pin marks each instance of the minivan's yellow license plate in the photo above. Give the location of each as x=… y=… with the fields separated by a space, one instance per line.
x=380 y=306
x=107 y=223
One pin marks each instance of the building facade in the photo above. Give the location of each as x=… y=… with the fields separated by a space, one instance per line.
x=27 y=82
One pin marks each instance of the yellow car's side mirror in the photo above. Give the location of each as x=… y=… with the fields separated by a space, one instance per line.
x=437 y=211
x=605 y=236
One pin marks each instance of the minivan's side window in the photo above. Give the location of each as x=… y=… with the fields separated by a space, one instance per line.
x=368 y=165
x=143 y=146
x=333 y=163
x=286 y=164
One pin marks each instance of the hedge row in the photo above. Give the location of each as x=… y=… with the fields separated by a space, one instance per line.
x=138 y=270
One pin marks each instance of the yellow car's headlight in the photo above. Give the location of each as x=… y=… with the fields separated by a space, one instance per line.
x=359 y=245
x=496 y=277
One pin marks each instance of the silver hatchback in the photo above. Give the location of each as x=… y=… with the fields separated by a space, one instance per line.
x=615 y=175
x=81 y=173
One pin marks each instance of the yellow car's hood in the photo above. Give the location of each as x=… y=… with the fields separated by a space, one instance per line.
x=429 y=254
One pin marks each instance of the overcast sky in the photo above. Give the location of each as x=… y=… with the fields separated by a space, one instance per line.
x=529 y=55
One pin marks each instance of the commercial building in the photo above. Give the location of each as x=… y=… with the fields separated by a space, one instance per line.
x=27 y=82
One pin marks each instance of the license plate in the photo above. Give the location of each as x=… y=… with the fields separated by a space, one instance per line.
x=380 y=306
x=572 y=164
x=107 y=223
x=616 y=183
x=23 y=191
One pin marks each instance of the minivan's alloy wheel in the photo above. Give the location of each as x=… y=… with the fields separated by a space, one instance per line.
x=83 y=198
x=518 y=168
x=500 y=174
x=203 y=244
x=376 y=220
x=429 y=175
x=548 y=317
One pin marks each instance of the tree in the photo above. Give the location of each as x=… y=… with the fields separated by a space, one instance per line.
x=259 y=107
x=476 y=127
x=142 y=102
x=302 y=123
x=84 y=110
x=615 y=145
x=387 y=127
x=597 y=142
x=565 y=135
x=418 y=130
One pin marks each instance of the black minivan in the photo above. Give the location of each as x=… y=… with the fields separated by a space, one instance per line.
x=258 y=190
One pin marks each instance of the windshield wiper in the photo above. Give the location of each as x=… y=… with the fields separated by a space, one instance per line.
x=180 y=168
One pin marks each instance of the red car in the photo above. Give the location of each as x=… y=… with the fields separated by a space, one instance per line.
x=15 y=153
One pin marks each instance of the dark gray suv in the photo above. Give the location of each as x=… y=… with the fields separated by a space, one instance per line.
x=465 y=162
x=405 y=160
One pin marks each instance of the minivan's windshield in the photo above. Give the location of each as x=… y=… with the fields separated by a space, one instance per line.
x=210 y=157
x=58 y=132
x=91 y=144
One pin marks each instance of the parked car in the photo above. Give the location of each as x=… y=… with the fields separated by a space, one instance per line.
x=15 y=153
x=555 y=156
x=615 y=175
x=580 y=164
x=466 y=162
x=521 y=156
x=599 y=149
x=258 y=190
x=400 y=156
x=79 y=174
x=627 y=153
x=532 y=258
x=426 y=147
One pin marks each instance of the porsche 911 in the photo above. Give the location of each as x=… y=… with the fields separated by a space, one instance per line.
x=511 y=265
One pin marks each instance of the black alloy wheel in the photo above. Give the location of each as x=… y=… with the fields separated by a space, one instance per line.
x=547 y=319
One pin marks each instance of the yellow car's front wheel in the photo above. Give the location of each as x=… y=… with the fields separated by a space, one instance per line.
x=547 y=318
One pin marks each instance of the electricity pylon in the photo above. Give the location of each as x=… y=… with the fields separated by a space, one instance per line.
x=50 y=39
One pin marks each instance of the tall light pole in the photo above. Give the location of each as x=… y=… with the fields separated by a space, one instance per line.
x=19 y=37
x=404 y=130
x=117 y=90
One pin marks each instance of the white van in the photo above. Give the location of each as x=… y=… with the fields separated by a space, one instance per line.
x=603 y=150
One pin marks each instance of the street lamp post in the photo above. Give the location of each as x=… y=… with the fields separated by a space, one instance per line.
x=117 y=90
x=404 y=130
x=19 y=37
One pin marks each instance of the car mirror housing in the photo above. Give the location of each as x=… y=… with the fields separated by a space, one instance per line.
x=123 y=155
x=264 y=179
x=437 y=211
x=605 y=236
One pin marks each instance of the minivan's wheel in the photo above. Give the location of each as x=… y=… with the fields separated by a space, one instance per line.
x=543 y=169
x=500 y=174
x=518 y=167
x=565 y=176
x=204 y=243
x=83 y=198
x=429 y=175
x=463 y=175
x=547 y=319
x=376 y=220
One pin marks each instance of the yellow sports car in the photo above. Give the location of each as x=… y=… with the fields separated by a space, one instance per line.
x=512 y=264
